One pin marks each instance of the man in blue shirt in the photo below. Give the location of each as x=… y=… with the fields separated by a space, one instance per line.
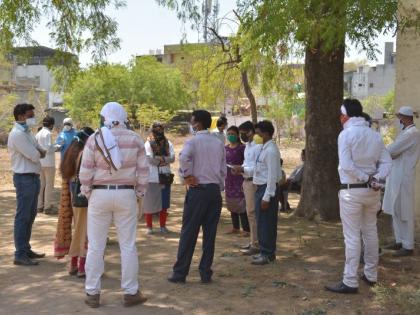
x=66 y=136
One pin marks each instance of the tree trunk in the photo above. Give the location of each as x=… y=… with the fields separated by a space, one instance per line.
x=250 y=95
x=324 y=95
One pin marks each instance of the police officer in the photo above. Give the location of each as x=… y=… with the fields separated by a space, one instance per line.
x=363 y=162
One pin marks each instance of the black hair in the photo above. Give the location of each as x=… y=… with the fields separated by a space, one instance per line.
x=21 y=109
x=221 y=121
x=353 y=107
x=84 y=134
x=265 y=126
x=247 y=126
x=203 y=117
x=157 y=125
x=48 y=121
x=234 y=128
x=367 y=117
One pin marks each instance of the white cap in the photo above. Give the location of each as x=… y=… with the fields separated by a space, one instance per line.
x=68 y=121
x=406 y=111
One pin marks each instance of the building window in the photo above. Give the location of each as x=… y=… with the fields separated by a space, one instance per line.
x=373 y=69
x=360 y=84
x=371 y=85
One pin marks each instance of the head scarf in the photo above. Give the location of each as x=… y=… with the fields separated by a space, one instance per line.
x=114 y=115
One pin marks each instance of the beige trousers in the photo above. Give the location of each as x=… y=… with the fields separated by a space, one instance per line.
x=78 y=246
x=249 y=192
x=47 y=177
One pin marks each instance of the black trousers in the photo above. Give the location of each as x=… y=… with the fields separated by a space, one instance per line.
x=240 y=219
x=202 y=208
x=266 y=222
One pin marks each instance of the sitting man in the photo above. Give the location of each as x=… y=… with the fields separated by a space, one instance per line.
x=292 y=184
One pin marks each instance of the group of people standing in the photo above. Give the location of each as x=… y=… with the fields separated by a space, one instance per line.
x=109 y=174
x=365 y=164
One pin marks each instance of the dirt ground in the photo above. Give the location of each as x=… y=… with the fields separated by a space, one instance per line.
x=310 y=255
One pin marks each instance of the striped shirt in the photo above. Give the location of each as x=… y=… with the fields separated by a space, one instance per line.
x=134 y=170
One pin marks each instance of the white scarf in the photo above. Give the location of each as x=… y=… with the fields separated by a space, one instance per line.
x=114 y=115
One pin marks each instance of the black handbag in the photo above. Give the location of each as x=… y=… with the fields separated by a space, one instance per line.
x=165 y=178
x=78 y=200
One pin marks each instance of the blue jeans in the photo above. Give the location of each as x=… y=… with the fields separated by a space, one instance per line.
x=266 y=222
x=27 y=190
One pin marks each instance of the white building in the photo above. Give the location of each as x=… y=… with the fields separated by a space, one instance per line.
x=31 y=75
x=377 y=80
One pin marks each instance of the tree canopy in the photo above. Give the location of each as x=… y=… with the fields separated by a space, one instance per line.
x=144 y=81
x=75 y=25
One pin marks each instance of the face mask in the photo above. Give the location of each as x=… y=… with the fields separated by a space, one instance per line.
x=232 y=138
x=158 y=135
x=401 y=125
x=193 y=130
x=31 y=122
x=258 y=139
x=244 y=137
x=67 y=128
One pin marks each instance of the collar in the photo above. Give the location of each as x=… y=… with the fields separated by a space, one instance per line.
x=409 y=127
x=250 y=143
x=267 y=143
x=202 y=132
x=19 y=127
x=355 y=122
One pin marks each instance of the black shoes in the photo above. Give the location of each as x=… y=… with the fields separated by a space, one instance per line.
x=206 y=280
x=367 y=281
x=394 y=246
x=174 y=279
x=403 y=252
x=33 y=255
x=341 y=288
x=25 y=261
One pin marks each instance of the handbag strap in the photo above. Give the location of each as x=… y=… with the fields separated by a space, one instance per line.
x=79 y=166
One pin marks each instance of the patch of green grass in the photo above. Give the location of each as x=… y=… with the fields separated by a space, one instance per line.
x=407 y=299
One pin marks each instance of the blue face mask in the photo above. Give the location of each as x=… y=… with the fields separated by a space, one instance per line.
x=24 y=126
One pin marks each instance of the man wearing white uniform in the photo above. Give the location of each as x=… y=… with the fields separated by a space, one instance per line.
x=363 y=161
x=247 y=133
x=399 y=192
x=44 y=139
x=113 y=174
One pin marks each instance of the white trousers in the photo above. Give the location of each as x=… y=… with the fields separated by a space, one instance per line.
x=106 y=206
x=47 y=177
x=404 y=231
x=358 y=209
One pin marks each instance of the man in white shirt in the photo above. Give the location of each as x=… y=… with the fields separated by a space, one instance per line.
x=25 y=155
x=399 y=193
x=363 y=162
x=247 y=132
x=266 y=174
x=221 y=125
x=44 y=139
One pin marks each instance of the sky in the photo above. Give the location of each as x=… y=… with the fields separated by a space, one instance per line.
x=143 y=26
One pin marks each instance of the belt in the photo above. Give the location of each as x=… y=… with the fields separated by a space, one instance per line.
x=203 y=186
x=353 y=186
x=248 y=179
x=113 y=187
x=27 y=174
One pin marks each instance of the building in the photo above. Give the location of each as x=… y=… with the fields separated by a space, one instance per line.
x=32 y=78
x=367 y=81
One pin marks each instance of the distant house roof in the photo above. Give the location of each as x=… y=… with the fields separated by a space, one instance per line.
x=34 y=55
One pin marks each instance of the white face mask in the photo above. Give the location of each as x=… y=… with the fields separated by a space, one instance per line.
x=31 y=122
x=192 y=130
x=67 y=128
